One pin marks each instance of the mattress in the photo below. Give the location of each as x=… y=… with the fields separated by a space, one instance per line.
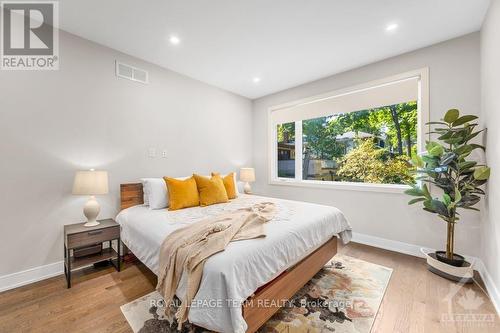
x=231 y=276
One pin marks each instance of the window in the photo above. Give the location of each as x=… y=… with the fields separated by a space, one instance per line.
x=370 y=146
x=362 y=135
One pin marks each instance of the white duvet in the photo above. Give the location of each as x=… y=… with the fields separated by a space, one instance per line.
x=231 y=276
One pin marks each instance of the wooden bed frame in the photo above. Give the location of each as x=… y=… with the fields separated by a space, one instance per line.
x=268 y=299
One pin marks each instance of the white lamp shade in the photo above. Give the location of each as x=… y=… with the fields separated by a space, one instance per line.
x=247 y=174
x=90 y=182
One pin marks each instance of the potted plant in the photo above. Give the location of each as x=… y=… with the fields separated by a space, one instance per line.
x=446 y=166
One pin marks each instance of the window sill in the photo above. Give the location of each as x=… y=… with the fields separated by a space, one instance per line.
x=348 y=186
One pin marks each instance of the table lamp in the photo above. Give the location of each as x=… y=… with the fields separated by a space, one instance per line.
x=247 y=175
x=91 y=183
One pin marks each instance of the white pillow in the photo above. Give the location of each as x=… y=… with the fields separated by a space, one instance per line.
x=145 y=195
x=155 y=193
x=240 y=187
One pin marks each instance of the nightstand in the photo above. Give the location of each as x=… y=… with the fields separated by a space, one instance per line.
x=78 y=237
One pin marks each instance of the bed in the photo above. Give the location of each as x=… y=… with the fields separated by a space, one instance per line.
x=300 y=240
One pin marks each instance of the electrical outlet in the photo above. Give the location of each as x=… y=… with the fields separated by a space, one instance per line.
x=164 y=153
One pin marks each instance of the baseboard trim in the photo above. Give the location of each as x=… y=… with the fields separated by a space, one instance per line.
x=492 y=289
x=387 y=244
x=414 y=250
x=31 y=275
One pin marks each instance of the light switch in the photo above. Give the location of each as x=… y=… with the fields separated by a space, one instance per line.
x=152 y=152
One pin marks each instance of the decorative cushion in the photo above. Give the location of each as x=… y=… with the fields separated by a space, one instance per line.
x=182 y=193
x=155 y=193
x=229 y=183
x=211 y=190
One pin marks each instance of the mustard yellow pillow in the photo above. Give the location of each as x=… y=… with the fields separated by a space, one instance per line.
x=211 y=190
x=182 y=193
x=229 y=184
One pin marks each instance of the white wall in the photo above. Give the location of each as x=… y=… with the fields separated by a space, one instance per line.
x=55 y=122
x=490 y=86
x=454 y=82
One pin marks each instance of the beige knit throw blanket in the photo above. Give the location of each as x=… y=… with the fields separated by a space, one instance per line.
x=187 y=249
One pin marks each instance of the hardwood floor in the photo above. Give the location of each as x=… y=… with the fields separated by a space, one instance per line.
x=415 y=300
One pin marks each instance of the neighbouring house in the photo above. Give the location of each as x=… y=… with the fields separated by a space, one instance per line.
x=349 y=139
x=319 y=168
x=286 y=151
x=286 y=159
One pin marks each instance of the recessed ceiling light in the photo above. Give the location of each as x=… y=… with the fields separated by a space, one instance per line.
x=256 y=80
x=174 y=40
x=391 y=27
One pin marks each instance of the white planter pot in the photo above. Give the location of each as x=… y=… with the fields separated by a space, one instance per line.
x=462 y=274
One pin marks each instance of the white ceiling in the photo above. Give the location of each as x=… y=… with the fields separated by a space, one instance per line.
x=227 y=43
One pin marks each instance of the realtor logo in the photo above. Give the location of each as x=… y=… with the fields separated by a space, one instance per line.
x=29 y=35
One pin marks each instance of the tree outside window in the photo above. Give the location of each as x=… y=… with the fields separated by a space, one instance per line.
x=371 y=146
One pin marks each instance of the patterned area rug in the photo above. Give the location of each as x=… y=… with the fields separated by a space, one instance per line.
x=343 y=297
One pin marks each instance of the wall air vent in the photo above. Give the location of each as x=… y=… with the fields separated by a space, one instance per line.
x=131 y=73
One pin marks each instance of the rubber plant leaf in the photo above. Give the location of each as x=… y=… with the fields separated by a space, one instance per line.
x=414 y=191
x=412 y=201
x=451 y=115
x=462 y=120
x=425 y=191
x=434 y=149
x=482 y=173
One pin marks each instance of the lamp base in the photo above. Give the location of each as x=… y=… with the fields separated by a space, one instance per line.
x=247 y=188
x=91 y=224
x=91 y=211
